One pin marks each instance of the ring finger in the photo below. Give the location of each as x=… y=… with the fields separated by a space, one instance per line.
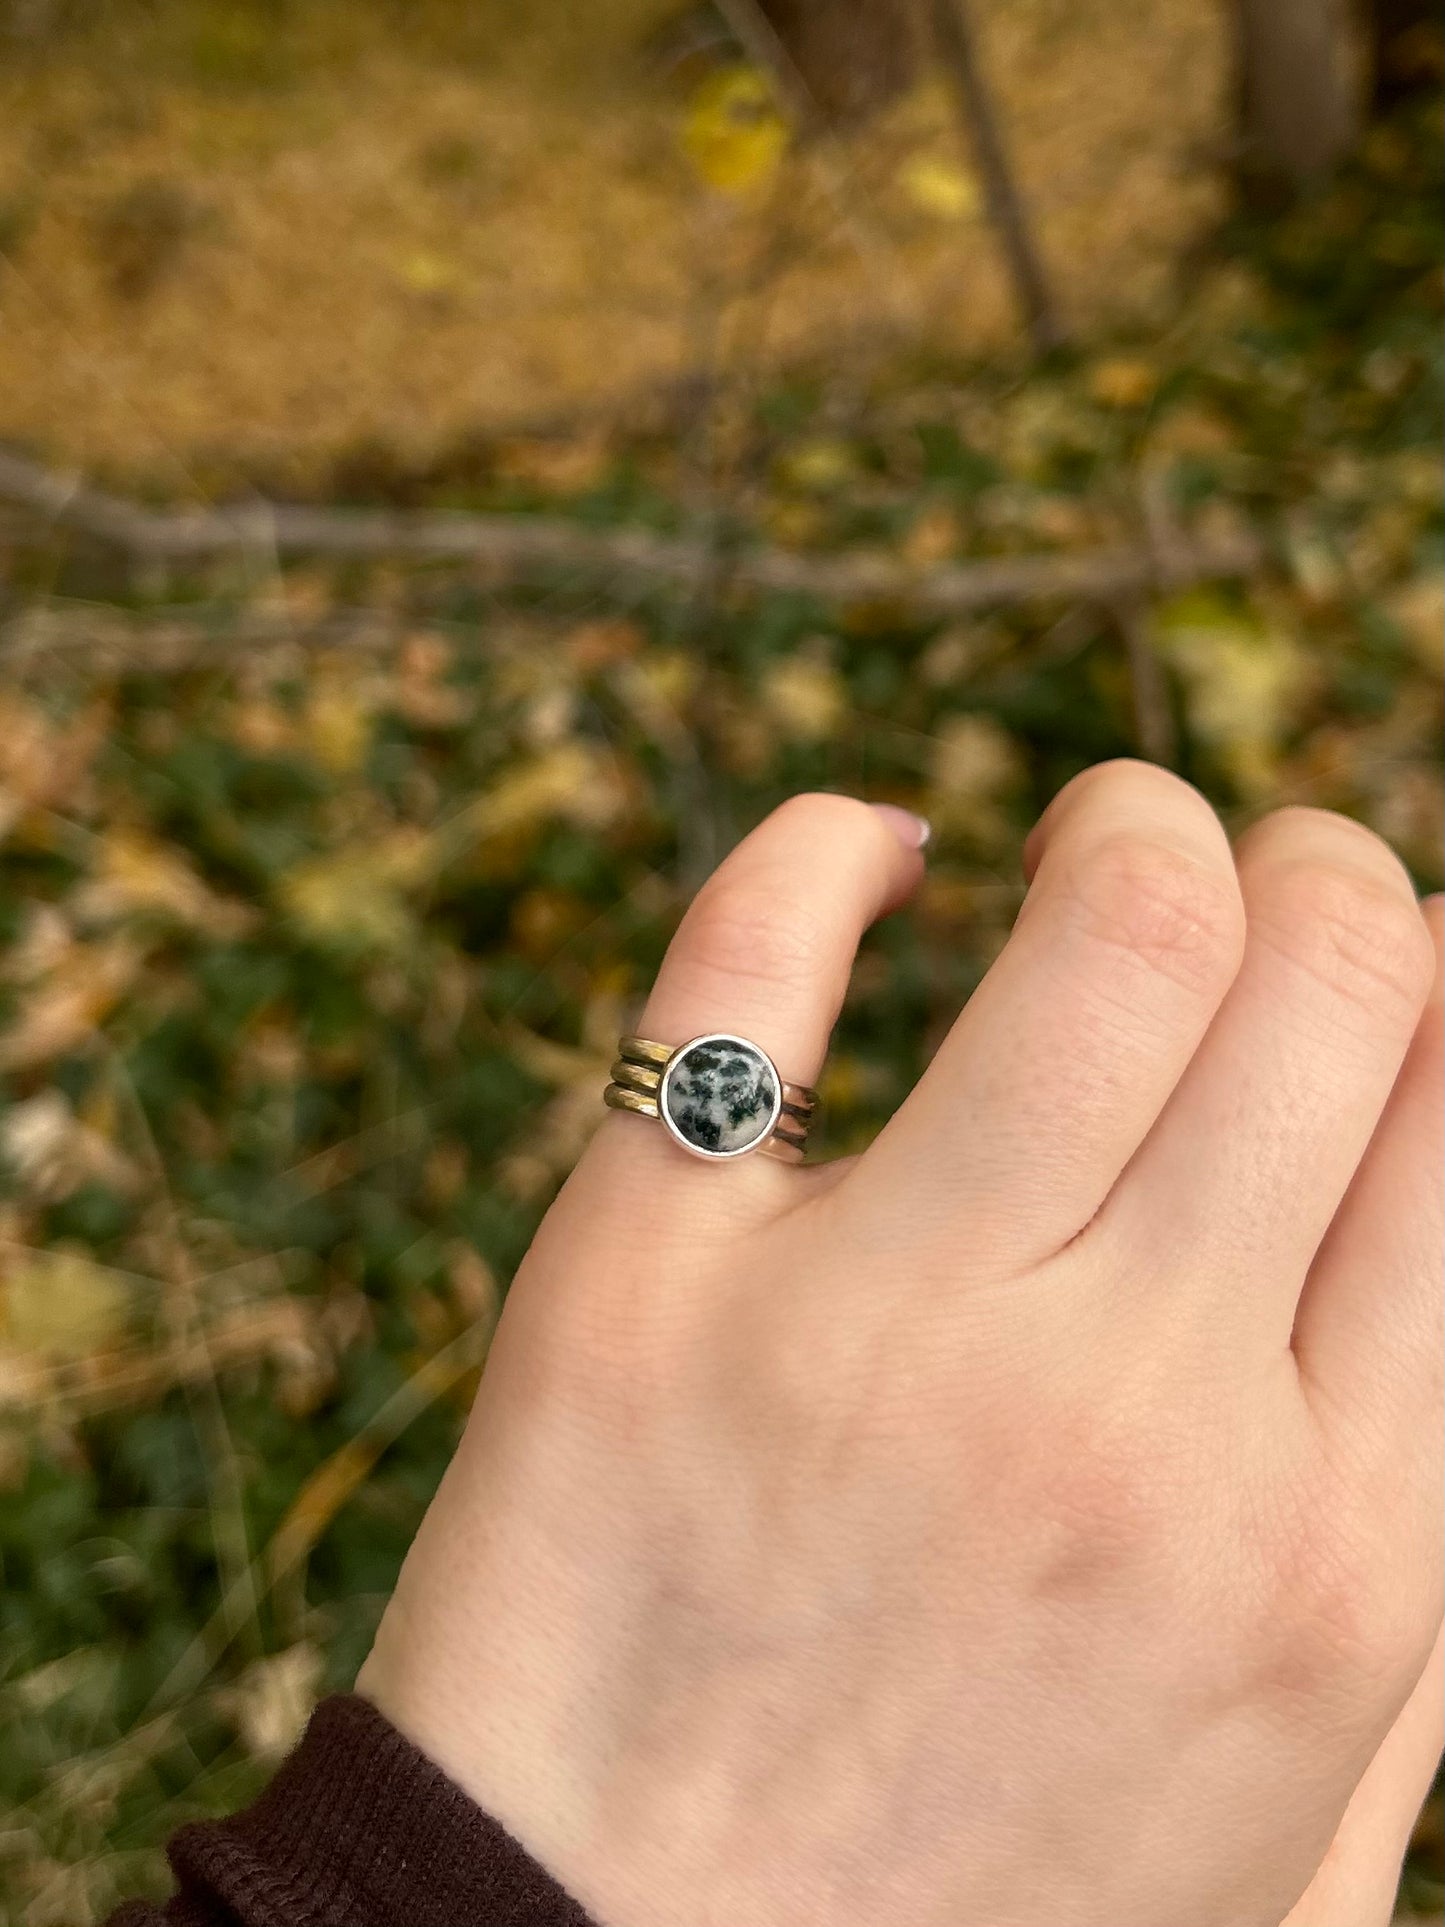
x=766 y=949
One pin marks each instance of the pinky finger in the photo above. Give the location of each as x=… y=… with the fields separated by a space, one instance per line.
x=1368 y=1333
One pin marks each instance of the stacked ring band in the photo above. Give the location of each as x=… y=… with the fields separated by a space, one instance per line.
x=719 y=1096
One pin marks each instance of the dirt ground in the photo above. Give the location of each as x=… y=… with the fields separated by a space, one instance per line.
x=261 y=232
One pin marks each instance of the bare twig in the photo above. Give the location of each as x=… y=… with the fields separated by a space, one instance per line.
x=510 y=548
x=1153 y=715
x=761 y=43
x=1154 y=726
x=958 y=50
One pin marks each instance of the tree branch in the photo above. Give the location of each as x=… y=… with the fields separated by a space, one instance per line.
x=517 y=548
x=953 y=30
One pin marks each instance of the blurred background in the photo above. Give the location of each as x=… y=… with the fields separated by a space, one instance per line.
x=461 y=463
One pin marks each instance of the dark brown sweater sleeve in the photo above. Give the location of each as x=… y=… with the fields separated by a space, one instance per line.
x=357 y=1829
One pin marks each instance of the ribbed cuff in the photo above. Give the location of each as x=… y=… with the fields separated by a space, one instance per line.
x=359 y=1829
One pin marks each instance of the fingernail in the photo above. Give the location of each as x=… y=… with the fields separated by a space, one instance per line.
x=912 y=831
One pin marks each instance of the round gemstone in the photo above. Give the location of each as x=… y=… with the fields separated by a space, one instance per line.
x=721 y=1095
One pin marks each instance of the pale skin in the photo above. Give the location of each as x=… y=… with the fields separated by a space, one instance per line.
x=1034 y=1522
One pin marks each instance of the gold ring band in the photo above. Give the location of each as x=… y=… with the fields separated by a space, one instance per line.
x=719 y=1096
x=641 y=1051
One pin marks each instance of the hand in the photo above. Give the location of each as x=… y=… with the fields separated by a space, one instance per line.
x=1031 y=1523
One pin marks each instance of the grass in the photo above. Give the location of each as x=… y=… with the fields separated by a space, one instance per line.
x=244 y=234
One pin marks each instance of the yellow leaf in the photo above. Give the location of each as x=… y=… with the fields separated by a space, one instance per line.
x=733 y=134
x=61 y=1303
x=1243 y=681
x=357 y=897
x=843 y=1083
x=806 y=696
x=138 y=875
x=793 y=524
x=338 y=727
x=427 y=273
x=974 y=763
x=818 y=466
x=1125 y=381
x=973 y=757
x=1419 y=609
x=668 y=679
x=940 y=186
x=571 y=780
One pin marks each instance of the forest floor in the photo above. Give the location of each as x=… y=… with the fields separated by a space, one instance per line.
x=242 y=234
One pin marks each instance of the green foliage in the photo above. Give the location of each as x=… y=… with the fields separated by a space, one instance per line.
x=322 y=903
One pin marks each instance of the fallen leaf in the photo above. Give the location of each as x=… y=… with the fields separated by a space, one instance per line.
x=1419 y=611
x=356 y=898
x=65 y=1006
x=52 y=1152
x=60 y=1303
x=973 y=757
x=733 y=133
x=940 y=186
x=806 y=696
x=974 y=764
x=137 y=876
x=1123 y=381
x=42 y=761
x=337 y=725
x=933 y=538
x=819 y=466
x=273 y=1699
x=1243 y=681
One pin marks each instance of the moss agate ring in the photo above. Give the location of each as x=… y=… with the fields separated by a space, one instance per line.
x=719 y=1096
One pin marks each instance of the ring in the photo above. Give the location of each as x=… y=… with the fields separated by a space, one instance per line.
x=719 y=1096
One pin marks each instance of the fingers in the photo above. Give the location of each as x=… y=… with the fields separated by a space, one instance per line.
x=1368 y=1335
x=1356 y=1885
x=1251 y=1158
x=764 y=952
x=767 y=946
x=1129 y=939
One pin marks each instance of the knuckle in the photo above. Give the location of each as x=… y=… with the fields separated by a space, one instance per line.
x=1154 y=904
x=1358 y=934
x=1337 y=1620
x=1107 y=1499
x=741 y=933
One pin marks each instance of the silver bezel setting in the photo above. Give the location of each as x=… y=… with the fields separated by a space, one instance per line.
x=698 y=1150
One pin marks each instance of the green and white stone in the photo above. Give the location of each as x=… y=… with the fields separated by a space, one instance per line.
x=721 y=1096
